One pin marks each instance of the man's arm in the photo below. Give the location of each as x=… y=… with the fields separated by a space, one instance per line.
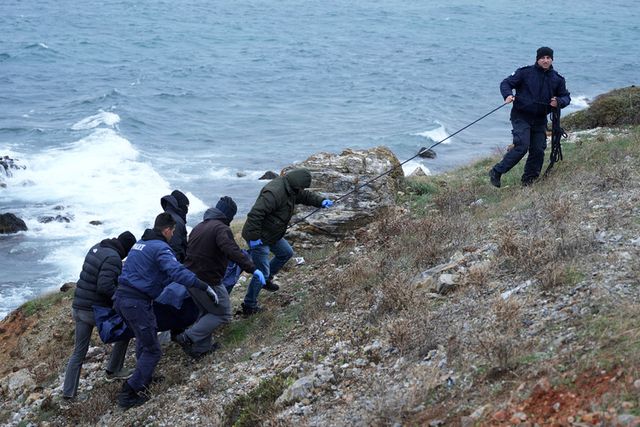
x=562 y=95
x=176 y=271
x=507 y=85
x=265 y=204
x=309 y=198
x=230 y=248
x=108 y=276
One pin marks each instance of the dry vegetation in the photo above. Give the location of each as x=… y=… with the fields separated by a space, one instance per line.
x=542 y=310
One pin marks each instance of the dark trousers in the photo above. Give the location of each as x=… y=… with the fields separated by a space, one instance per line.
x=138 y=315
x=85 y=323
x=526 y=138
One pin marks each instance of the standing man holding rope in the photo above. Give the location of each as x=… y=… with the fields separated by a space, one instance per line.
x=538 y=89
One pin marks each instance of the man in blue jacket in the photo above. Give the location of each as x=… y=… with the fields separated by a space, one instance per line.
x=538 y=89
x=151 y=265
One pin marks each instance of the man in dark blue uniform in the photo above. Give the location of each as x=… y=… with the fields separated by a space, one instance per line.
x=151 y=265
x=538 y=89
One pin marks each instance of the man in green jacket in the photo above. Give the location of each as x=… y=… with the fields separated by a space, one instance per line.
x=267 y=224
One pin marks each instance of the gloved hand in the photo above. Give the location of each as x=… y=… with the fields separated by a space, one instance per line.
x=258 y=275
x=255 y=243
x=326 y=203
x=212 y=294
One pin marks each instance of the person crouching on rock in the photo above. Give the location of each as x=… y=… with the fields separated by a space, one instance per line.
x=266 y=226
x=211 y=246
x=97 y=284
x=151 y=265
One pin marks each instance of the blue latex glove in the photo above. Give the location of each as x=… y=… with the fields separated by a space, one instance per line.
x=258 y=274
x=212 y=294
x=326 y=203
x=255 y=243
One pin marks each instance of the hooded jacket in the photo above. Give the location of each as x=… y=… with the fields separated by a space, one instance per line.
x=99 y=276
x=211 y=246
x=535 y=87
x=178 y=242
x=152 y=265
x=274 y=207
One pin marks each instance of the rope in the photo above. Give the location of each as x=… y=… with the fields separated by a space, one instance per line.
x=557 y=133
x=399 y=165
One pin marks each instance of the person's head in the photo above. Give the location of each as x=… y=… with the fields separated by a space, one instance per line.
x=228 y=207
x=299 y=179
x=165 y=224
x=183 y=201
x=127 y=240
x=544 y=57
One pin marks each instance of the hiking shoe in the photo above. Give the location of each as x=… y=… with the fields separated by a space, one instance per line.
x=122 y=374
x=185 y=342
x=250 y=311
x=128 y=397
x=494 y=177
x=271 y=286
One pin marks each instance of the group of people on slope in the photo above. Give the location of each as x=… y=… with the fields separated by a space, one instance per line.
x=165 y=255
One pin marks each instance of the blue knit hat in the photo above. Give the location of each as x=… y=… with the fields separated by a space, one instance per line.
x=227 y=206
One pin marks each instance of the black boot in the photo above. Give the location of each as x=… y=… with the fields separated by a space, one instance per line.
x=250 y=311
x=128 y=397
x=271 y=286
x=494 y=177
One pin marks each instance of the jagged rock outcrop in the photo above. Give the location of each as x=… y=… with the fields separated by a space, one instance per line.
x=335 y=175
x=6 y=165
x=9 y=223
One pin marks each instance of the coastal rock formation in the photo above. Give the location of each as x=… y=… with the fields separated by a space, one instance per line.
x=336 y=175
x=9 y=223
x=6 y=165
x=620 y=107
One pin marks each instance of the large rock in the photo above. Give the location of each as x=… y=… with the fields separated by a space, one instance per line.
x=9 y=223
x=334 y=176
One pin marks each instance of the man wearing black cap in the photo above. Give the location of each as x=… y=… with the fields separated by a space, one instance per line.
x=97 y=284
x=211 y=246
x=177 y=205
x=538 y=89
x=151 y=265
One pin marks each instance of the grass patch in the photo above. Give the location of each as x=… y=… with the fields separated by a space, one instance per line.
x=43 y=303
x=257 y=405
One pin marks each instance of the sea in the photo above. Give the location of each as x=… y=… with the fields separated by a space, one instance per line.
x=109 y=105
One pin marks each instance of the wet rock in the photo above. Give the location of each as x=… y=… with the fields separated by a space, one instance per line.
x=9 y=223
x=95 y=222
x=269 y=175
x=45 y=219
x=426 y=153
x=7 y=164
x=241 y=174
x=418 y=172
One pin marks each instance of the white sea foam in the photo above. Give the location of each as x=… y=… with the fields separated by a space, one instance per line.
x=92 y=122
x=577 y=103
x=436 y=135
x=98 y=178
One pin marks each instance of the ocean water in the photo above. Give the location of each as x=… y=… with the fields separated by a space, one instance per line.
x=111 y=105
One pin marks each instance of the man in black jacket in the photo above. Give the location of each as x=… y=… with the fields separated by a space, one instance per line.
x=266 y=226
x=538 y=89
x=211 y=246
x=177 y=205
x=97 y=283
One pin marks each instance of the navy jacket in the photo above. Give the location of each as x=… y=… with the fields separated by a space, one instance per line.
x=179 y=240
x=151 y=265
x=211 y=246
x=99 y=277
x=534 y=89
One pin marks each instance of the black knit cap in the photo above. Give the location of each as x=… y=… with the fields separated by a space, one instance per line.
x=183 y=201
x=164 y=220
x=227 y=206
x=127 y=240
x=544 y=51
